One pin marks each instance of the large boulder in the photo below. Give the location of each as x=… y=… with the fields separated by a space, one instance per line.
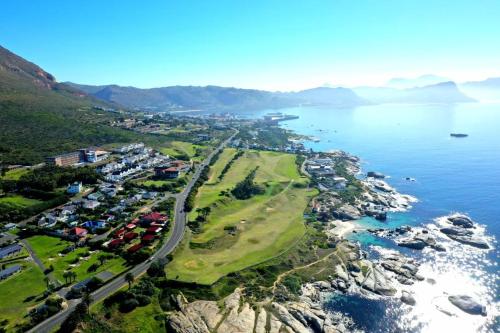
x=416 y=244
x=407 y=298
x=461 y=221
x=347 y=213
x=468 y=304
x=375 y=174
x=470 y=240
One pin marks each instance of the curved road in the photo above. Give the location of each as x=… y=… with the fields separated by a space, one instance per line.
x=175 y=238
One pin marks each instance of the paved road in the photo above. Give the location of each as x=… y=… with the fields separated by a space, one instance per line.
x=38 y=262
x=175 y=238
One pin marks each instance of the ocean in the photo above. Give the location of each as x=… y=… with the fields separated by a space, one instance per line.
x=451 y=175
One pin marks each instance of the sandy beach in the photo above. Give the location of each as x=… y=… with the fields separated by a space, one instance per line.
x=341 y=228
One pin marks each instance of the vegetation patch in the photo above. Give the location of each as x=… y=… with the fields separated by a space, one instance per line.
x=19 y=293
x=240 y=233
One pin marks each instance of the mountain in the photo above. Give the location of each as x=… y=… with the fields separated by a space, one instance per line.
x=40 y=117
x=442 y=93
x=487 y=90
x=421 y=81
x=217 y=98
x=328 y=96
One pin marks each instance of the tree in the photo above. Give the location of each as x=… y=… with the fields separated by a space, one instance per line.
x=72 y=275
x=47 y=281
x=102 y=259
x=129 y=277
x=87 y=300
x=66 y=275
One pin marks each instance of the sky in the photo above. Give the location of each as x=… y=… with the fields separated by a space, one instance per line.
x=268 y=44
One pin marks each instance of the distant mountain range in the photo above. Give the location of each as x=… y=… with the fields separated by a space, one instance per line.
x=443 y=93
x=218 y=98
x=421 y=81
x=234 y=99
x=487 y=90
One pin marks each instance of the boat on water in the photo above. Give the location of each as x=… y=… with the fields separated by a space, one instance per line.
x=459 y=135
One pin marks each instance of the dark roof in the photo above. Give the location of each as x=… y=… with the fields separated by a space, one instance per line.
x=134 y=248
x=10 y=249
x=148 y=237
x=130 y=235
x=81 y=284
x=115 y=242
x=9 y=271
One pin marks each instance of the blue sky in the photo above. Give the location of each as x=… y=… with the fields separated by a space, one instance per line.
x=271 y=44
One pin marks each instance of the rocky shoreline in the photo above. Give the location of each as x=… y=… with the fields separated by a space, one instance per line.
x=390 y=275
x=457 y=227
x=356 y=274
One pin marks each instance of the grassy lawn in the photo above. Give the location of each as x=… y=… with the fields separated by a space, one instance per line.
x=141 y=319
x=216 y=169
x=266 y=225
x=15 y=174
x=17 y=201
x=177 y=148
x=48 y=248
x=19 y=293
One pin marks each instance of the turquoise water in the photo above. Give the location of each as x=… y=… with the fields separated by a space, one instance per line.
x=452 y=175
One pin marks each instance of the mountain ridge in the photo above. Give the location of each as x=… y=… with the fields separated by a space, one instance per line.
x=215 y=97
x=40 y=117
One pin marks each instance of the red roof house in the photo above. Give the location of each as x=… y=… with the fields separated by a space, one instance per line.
x=153 y=230
x=135 y=248
x=119 y=233
x=146 y=220
x=148 y=238
x=130 y=226
x=115 y=243
x=130 y=235
x=79 y=232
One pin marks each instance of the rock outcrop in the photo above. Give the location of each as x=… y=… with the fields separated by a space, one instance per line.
x=468 y=304
x=462 y=230
x=239 y=317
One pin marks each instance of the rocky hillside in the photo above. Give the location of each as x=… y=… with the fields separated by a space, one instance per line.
x=41 y=117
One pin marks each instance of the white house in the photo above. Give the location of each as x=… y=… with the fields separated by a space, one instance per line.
x=340 y=182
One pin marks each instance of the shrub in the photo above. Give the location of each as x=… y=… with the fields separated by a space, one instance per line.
x=128 y=305
x=143 y=300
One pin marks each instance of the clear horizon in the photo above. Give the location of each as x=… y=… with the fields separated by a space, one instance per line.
x=277 y=46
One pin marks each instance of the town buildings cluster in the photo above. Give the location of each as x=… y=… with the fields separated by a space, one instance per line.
x=79 y=157
x=323 y=170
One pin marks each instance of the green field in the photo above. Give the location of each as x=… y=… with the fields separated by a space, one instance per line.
x=15 y=201
x=216 y=169
x=266 y=225
x=178 y=148
x=15 y=174
x=147 y=319
x=19 y=293
x=48 y=248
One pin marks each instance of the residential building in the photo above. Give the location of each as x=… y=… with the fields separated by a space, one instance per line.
x=135 y=248
x=91 y=204
x=94 y=225
x=5 y=273
x=147 y=239
x=74 y=188
x=95 y=196
x=167 y=172
x=10 y=250
x=146 y=220
x=67 y=159
x=78 y=232
x=9 y=226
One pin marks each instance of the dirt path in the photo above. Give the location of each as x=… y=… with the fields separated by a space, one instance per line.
x=282 y=275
